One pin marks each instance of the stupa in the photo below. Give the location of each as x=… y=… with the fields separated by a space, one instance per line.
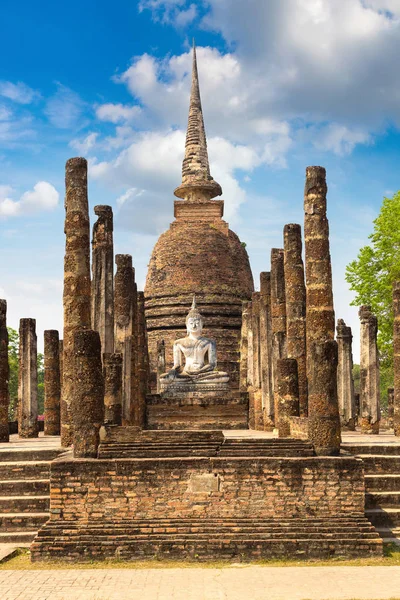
x=199 y=255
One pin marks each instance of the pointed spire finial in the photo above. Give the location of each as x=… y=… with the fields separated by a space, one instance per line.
x=197 y=182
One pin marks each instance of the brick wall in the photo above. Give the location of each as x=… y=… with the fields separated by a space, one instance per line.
x=103 y=490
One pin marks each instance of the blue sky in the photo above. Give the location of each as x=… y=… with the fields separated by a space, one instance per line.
x=285 y=84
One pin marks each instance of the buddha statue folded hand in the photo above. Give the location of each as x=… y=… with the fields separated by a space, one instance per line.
x=194 y=349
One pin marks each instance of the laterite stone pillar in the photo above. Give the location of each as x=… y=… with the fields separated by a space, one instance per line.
x=88 y=401
x=288 y=394
x=369 y=372
x=4 y=374
x=27 y=380
x=77 y=287
x=52 y=382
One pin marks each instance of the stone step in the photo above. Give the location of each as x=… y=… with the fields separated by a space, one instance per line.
x=203 y=550
x=39 y=454
x=232 y=447
x=368 y=449
x=17 y=537
x=384 y=517
x=117 y=452
x=25 y=470
x=126 y=434
x=18 y=487
x=382 y=499
x=22 y=521
x=206 y=540
x=24 y=504
x=388 y=533
x=382 y=482
x=376 y=464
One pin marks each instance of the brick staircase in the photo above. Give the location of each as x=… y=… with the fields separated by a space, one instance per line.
x=208 y=539
x=120 y=443
x=24 y=493
x=382 y=482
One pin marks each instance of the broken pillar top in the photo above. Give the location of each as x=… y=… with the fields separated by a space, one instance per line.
x=123 y=261
x=343 y=330
x=315 y=191
x=366 y=315
x=265 y=283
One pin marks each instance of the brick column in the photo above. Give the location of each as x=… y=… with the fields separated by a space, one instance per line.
x=345 y=382
x=4 y=374
x=323 y=420
x=266 y=351
x=112 y=372
x=323 y=409
x=123 y=336
x=256 y=389
x=103 y=277
x=87 y=406
x=278 y=313
x=288 y=394
x=369 y=372
x=76 y=297
x=52 y=384
x=320 y=316
x=396 y=357
x=296 y=307
x=135 y=383
x=390 y=393
x=27 y=380
x=244 y=345
x=61 y=357
x=143 y=363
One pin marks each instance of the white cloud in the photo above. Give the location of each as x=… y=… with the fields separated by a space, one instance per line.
x=17 y=92
x=391 y=6
x=65 y=108
x=117 y=113
x=86 y=144
x=316 y=60
x=340 y=139
x=43 y=197
x=5 y=113
x=184 y=17
x=176 y=12
x=147 y=172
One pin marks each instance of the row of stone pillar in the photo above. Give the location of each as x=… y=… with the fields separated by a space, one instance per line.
x=107 y=314
x=111 y=307
x=289 y=356
x=27 y=379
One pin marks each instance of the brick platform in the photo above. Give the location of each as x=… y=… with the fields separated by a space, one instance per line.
x=237 y=505
x=197 y=410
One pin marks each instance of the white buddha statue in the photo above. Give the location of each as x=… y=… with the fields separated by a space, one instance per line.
x=194 y=348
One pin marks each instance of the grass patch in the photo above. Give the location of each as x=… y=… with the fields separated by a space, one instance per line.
x=21 y=561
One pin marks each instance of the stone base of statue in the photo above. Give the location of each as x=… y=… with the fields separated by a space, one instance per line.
x=197 y=406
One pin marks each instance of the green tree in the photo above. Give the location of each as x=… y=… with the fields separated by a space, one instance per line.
x=371 y=276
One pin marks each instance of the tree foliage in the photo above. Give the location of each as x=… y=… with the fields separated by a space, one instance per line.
x=372 y=274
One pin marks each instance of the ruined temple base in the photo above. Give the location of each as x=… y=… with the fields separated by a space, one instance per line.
x=205 y=496
x=202 y=409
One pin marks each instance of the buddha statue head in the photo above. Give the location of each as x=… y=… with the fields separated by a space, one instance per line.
x=194 y=320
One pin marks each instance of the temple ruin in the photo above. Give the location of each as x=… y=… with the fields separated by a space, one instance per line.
x=160 y=388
